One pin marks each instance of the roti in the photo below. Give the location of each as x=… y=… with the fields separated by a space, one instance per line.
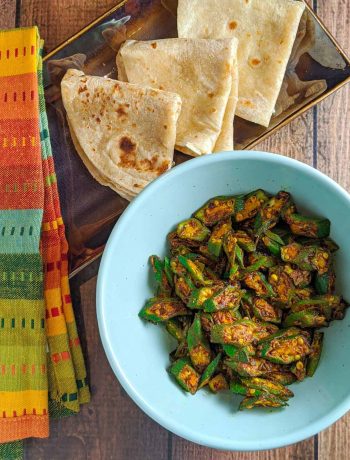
x=125 y=134
x=266 y=30
x=205 y=75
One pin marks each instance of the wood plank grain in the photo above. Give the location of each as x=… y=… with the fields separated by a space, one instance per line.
x=333 y=158
x=7 y=13
x=189 y=451
x=58 y=20
x=111 y=426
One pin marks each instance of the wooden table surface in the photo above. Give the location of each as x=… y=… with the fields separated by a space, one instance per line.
x=112 y=427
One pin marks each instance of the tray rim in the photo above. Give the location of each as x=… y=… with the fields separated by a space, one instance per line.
x=259 y=139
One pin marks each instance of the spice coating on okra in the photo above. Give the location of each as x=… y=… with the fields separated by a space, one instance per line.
x=246 y=286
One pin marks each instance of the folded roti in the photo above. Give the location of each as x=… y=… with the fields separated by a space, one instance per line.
x=125 y=134
x=203 y=73
x=266 y=30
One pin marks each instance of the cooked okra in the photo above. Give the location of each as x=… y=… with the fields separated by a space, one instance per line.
x=246 y=286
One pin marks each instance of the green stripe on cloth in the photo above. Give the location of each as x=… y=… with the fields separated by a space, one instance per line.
x=11 y=451
x=20 y=231
x=21 y=277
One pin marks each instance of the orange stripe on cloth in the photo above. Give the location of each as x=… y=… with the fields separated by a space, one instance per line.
x=18 y=97
x=13 y=429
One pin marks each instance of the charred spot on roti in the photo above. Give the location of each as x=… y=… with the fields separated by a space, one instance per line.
x=211 y=95
x=127 y=145
x=161 y=87
x=128 y=153
x=121 y=110
x=98 y=120
x=232 y=25
x=154 y=45
x=254 y=62
x=165 y=127
x=247 y=103
x=163 y=168
x=82 y=89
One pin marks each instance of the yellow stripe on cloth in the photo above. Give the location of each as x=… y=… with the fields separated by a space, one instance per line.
x=18 y=52
x=30 y=402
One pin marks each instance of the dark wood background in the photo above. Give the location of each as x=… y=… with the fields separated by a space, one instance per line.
x=112 y=427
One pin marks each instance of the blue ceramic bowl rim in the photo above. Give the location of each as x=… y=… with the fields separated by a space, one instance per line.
x=187 y=433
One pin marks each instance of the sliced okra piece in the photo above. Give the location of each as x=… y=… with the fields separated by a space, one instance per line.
x=228 y=297
x=194 y=269
x=247 y=206
x=281 y=284
x=209 y=371
x=177 y=244
x=164 y=288
x=240 y=333
x=184 y=287
x=307 y=258
x=211 y=258
x=206 y=322
x=226 y=316
x=301 y=294
x=263 y=310
x=198 y=346
x=180 y=352
x=237 y=353
x=271 y=245
x=325 y=283
x=176 y=267
x=338 y=313
x=259 y=261
x=216 y=239
x=309 y=226
x=240 y=256
x=271 y=212
x=259 y=284
x=218 y=383
x=158 y=310
x=217 y=209
x=234 y=256
x=245 y=241
x=300 y=278
x=256 y=367
x=325 y=304
x=186 y=376
x=239 y=389
x=306 y=318
x=285 y=349
x=175 y=329
x=316 y=350
x=264 y=329
x=299 y=369
x=168 y=272
x=193 y=229
x=268 y=386
x=264 y=400
x=282 y=377
x=247 y=304
x=200 y=295
x=180 y=250
x=331 y=245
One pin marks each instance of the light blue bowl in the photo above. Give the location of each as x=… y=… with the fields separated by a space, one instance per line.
x=138 y=352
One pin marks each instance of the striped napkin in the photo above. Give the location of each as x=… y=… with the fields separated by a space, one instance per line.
x=42 y=370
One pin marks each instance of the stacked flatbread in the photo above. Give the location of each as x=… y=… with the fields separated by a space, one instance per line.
x=125 y=134
x=230 y=60
x=266 y=31
x=203 y=73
